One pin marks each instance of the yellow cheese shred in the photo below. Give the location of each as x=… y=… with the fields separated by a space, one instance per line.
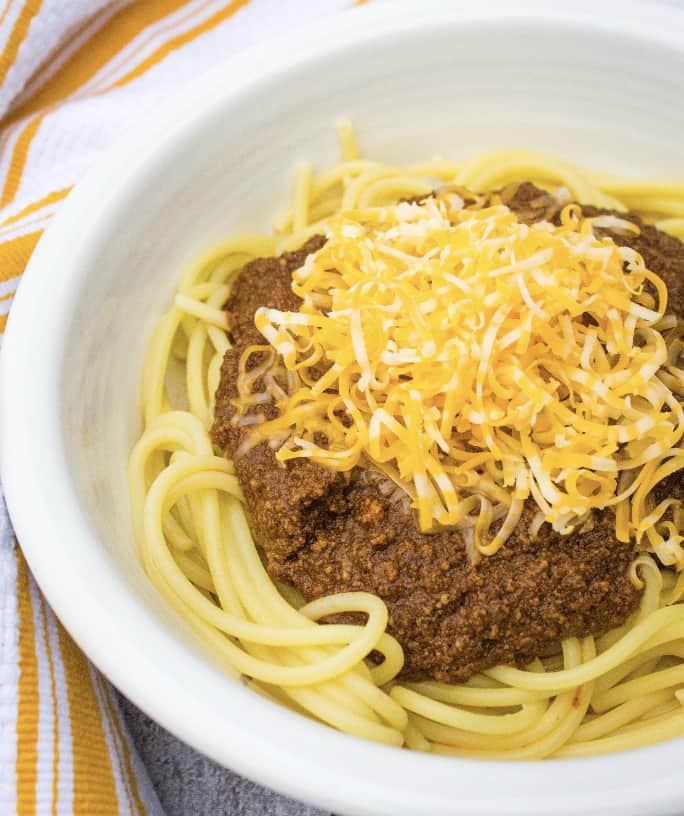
x=480 y=362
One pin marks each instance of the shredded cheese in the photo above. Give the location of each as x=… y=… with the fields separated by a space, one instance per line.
x=480 y=362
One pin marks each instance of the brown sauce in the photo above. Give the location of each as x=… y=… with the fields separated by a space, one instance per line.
x=326 y=532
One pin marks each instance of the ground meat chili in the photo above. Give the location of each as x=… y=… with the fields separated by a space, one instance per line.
x=326 y=532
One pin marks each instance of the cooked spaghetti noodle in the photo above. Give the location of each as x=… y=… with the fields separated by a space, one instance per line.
x=612 y=693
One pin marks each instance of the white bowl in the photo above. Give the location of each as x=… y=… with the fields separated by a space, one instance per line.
x=599 y=84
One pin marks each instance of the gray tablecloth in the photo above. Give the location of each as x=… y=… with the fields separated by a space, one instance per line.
x=190 y=784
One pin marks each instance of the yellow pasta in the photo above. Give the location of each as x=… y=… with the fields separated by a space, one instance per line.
x=612 y=693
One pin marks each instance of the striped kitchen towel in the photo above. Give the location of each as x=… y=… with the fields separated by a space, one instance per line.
x=64 y=746
x=74 y=74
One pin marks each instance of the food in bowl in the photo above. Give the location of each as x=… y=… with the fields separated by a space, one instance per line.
x=424 y=481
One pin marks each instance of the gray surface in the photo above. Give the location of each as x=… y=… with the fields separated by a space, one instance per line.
x=189 y=784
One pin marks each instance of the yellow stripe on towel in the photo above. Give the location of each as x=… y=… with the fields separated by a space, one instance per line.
x=28 y=698
x=94 y=783
x=55 y=710
x=18 y=35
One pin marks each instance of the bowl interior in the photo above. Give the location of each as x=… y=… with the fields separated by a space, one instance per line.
x=222 y=164
x=437 y=91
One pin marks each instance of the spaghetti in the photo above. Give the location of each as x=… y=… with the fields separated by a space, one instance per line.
x=616 y=692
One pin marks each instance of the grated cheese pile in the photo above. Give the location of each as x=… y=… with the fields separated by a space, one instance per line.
x=480 y=361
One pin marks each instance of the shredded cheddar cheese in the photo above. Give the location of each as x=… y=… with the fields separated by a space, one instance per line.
x=479 y=362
